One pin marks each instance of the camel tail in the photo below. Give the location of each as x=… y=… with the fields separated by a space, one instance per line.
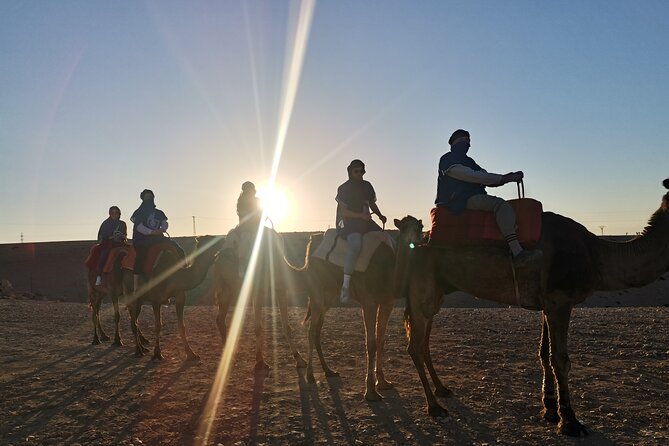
x=308 y=315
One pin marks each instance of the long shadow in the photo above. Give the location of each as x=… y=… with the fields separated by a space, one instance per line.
x=334 y=387
x=45 y=384
x=391 y=413
x=309 y=398
x=104 y=407
x=179 y=373
x=50 y=365
x=62 y=400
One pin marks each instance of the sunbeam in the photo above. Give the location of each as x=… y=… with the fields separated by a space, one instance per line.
x=292 y=73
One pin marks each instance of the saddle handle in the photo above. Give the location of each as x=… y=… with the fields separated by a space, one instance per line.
x=521 y=188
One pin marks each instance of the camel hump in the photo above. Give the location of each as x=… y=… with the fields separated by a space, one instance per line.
x=480 y=228
x=333 y=248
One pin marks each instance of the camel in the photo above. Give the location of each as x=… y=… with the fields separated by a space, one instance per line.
x=273 y=275
x=373 y=289
x=575 y=264
x=169 y=278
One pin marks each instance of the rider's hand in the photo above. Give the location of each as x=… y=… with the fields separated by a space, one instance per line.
x=512 y=177
x=383 y=219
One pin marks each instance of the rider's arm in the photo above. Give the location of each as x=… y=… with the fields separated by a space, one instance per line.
x=143 y=229
x=344 y=211
x=377 y=211
x=463 y=173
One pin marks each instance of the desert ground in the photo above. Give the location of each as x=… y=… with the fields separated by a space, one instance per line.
x=57 y=388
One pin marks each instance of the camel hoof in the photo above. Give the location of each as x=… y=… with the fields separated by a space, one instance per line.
x=437 y=411
x=118 y=343
x=443 y=391
x=300 y=363
x=384 y=385
x=572 y=428
x=262 y=365
x=373 y=395
x=104 y=338
x=331 y=374
x=157 y=357
x=550 y=415
x=96 y=341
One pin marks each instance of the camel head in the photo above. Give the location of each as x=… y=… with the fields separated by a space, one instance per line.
x=665 y=199
x=411 y=231
x=208 y=246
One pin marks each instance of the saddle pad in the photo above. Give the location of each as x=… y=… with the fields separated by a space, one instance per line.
x=370 y=242
x=154 y=254
x=479 y=227
x=128 y=261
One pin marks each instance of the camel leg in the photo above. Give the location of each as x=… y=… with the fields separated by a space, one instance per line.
x=134 y=309
x=180 y=302
x=95 y=311
x=418 y=332
x=369 y=317
x=157 y=354
x=381 y=325
x=103 y=336
x=223 y=305
x=439 y=388
x=117 y=319
x=329 y=373
x=549 y=412
x=558 y=326
x=257 y=318
x=288 y=332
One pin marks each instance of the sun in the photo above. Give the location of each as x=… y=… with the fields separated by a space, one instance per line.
x=275 y=203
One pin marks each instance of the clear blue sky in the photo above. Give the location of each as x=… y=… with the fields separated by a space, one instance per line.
x=99 y=100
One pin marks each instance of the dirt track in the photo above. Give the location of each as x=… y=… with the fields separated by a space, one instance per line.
x=56 y=388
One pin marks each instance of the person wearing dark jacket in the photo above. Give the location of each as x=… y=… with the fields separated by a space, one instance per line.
x=461 y=185
x=113 y=232
x=149 y=227
x=356 y=201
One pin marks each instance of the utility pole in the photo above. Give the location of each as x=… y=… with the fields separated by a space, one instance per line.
x=22 y=237
x=602 y=229
x=194 y=234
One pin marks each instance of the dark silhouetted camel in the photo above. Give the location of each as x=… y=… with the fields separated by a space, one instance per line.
x=575 y=264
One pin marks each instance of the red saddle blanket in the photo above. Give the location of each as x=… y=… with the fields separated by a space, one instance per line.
x=480 y=227
x=93 y=258
x=128 y=261
x=155 y=252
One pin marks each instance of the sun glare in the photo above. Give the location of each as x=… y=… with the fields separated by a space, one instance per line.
x=275 y=203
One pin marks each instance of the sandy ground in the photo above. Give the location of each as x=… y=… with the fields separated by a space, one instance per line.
x=56 y=388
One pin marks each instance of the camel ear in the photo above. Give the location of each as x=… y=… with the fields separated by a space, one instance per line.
x=420 y=221
x=397 y=223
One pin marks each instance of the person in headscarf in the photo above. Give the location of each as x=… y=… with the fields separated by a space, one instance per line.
x=113 y=232
x=461 y=185
x=249 y=209
x=356 y=201
x=150 y=225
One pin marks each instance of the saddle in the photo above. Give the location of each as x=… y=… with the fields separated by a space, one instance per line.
x=154 y=254
x=333 y=248
x=128 y=261
x=480 y=228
